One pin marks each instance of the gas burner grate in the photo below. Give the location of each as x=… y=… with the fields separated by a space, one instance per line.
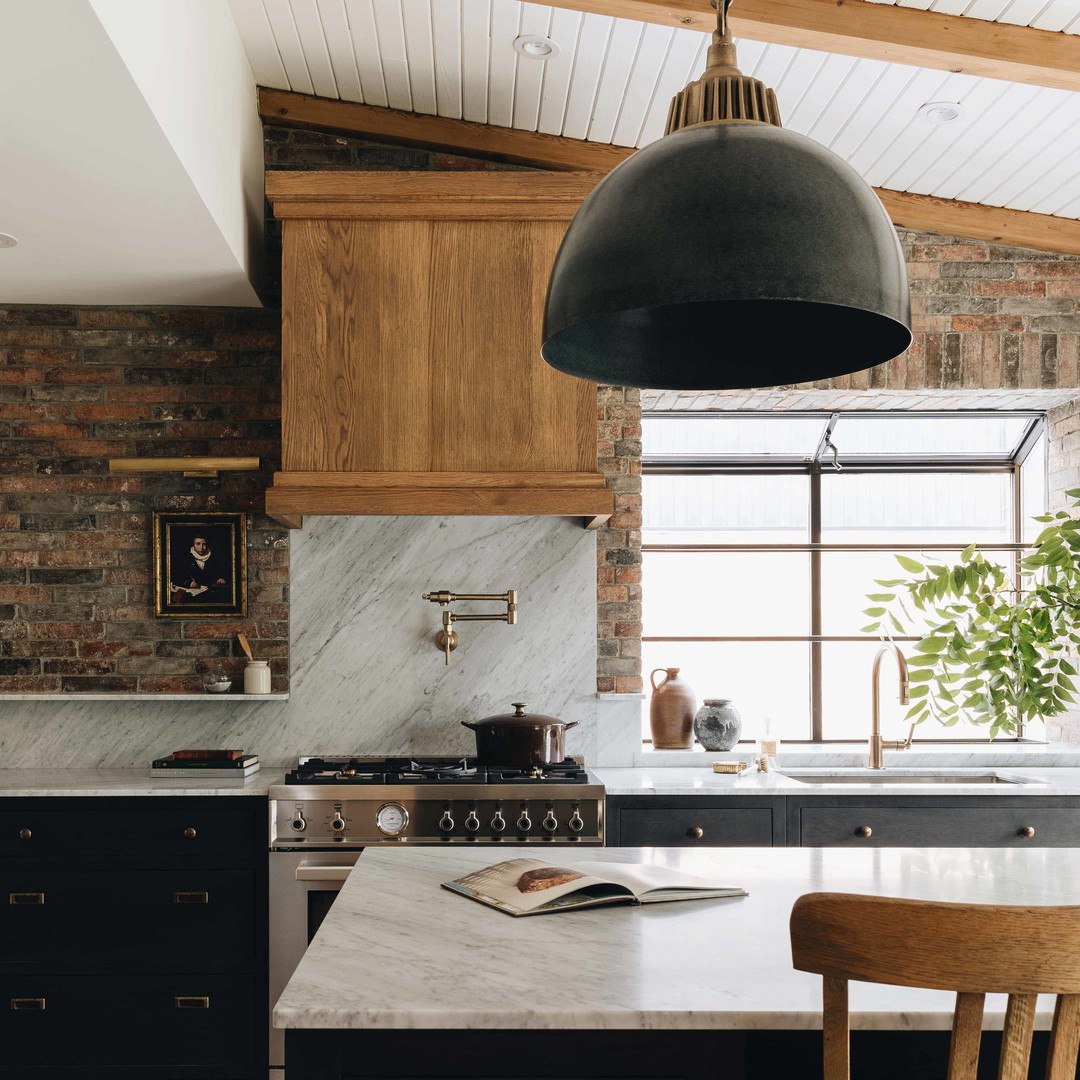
x=405 y=770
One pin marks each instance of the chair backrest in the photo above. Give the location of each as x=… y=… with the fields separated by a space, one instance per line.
x=973 y=949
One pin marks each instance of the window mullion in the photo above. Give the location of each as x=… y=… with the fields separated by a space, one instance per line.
x=815 y=604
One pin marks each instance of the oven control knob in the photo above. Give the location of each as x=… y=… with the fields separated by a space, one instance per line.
x=299 y=823
x=524 y=823
x=550 y=823
x=446 y=822
x=575 y=824
x=472 y=822
x=498 y=822
x=337 y=822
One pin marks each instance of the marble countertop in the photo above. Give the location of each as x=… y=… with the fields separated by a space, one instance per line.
x=32 y=783
x=703 y=781
x=397 y=951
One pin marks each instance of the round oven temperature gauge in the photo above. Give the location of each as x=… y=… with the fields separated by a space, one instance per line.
x=392 y=818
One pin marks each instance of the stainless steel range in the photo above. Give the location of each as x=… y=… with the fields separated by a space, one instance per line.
x=342 y=802
x=328 y=809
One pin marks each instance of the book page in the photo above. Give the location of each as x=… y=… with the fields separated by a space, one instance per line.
x=527 y=884
x=643 y=878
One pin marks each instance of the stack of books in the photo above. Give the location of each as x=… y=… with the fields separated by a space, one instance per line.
x=209 y=764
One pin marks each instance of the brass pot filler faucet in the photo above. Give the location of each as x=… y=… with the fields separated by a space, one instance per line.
x=446 y=640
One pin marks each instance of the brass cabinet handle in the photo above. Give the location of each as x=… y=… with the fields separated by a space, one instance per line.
x=25 y=834
x=27 y=1004
x=189 y=833
x=1027 y=831
x=864 y=830
x=192 y=1002
x=695 y=833
x=191 y=898
x=26 y=898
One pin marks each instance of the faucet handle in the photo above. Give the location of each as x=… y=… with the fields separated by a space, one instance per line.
x=906 y=744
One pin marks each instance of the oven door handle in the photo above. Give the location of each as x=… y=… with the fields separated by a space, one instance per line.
x=322 y=873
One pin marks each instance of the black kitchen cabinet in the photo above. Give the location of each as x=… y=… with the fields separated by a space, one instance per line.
x=689 y=821
x=133 y=936
x=842 y=820
x=928 y=821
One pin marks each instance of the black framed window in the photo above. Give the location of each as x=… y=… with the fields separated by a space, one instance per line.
x=763 y=533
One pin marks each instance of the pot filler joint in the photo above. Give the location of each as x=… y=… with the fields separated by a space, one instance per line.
x=446 y=640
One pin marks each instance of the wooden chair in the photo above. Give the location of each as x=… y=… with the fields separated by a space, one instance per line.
x=972 y=949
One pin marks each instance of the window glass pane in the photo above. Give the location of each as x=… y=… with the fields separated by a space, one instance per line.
x=847 y=576
x=702 y=509
x=726 y=594
x=846 y=667
x=1033 y=490
x=763 y=679
x=731 y=436
x=918 y=436
x=908 y=508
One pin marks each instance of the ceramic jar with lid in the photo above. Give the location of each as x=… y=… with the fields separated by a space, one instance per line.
x=718 y=724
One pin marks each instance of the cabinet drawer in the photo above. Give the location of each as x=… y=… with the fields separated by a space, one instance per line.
x=946 y=826
x=719 y=827
x=138 y=831
x=117 y=1021
x=160 y=920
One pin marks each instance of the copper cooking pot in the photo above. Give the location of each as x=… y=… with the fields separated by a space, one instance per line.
x=520 y=738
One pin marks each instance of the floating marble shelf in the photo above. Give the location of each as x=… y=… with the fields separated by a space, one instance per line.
x=145 y=697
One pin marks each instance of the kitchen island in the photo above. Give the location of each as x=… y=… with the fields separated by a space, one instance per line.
x=407 y=979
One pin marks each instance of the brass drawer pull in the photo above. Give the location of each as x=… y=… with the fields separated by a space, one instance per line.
x=1027 y=831
x=191 y=898
x=695 y=833
x=864 y=831
x=192 y=1002
x=189 y=833
x=27 y=1004
x=25 y=834
x=26 y=898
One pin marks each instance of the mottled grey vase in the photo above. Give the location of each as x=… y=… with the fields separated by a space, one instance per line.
x=718 y=724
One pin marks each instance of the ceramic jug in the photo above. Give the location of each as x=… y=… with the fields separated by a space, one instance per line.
x=671 y=711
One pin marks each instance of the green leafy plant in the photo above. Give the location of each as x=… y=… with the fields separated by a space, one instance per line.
x=996 y=651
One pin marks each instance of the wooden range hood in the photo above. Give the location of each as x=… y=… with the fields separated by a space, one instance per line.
x=412 y=381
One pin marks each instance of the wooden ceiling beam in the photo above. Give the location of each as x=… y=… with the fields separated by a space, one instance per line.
x=898 y=35
x=1016 y=228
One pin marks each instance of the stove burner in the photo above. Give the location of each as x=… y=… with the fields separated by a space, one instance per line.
x=403 y=770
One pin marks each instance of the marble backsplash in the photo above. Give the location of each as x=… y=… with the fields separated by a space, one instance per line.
x=366 y=676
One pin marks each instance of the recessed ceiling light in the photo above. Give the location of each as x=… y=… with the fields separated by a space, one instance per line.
x=7 y=240
x=536 y=47
x=942 y=112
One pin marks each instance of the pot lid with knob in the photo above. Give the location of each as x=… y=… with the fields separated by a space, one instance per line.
x=519 y=718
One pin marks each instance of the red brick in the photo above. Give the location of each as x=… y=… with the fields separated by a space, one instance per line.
x=1063 y=288
x=19 y=375
x=116 y=648
x=105 y=485
x=19 y=558
x=113 y=412
x=81 y=376
x=158 y=394
x=68 y=630
x=950 y=252
x=79 y=667
x=85 y=559
x=107 y=541
x=985 y=323
x=28 y=411
x=9 y=521
x=219 y=629
x=1008 y=288
x=24 y=594
x=611 y=594
x=29 y=337
x=113 y=318
x=47 y=430
x=38 y=648
x=171 y=684
x=96 y=448
x=30 y=684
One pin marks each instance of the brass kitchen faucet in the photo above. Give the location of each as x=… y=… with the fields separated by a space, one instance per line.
x=446 y=640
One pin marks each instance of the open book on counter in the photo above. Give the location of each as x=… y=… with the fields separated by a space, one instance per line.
x=532 y=887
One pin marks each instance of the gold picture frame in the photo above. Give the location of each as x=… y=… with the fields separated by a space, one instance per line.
x=200 y=565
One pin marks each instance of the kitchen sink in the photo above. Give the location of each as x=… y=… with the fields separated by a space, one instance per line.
x=901 y=776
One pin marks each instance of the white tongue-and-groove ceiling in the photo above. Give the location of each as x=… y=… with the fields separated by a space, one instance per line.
x=1014 y=145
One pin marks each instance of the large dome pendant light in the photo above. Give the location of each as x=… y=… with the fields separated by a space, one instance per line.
x=728 y=254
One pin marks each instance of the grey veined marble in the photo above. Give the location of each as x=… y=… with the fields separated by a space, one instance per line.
x=366 y=675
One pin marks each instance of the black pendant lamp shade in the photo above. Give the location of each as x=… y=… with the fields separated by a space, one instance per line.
x=729 y=254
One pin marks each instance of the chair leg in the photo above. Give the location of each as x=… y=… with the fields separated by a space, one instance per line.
x=834 y=1029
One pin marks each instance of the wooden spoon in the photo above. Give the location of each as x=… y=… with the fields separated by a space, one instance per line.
x=242 y=638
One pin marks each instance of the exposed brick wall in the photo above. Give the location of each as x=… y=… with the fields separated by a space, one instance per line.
x=79 y=385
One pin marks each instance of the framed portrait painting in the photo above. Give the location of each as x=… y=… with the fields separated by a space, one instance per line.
x=200 y=565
